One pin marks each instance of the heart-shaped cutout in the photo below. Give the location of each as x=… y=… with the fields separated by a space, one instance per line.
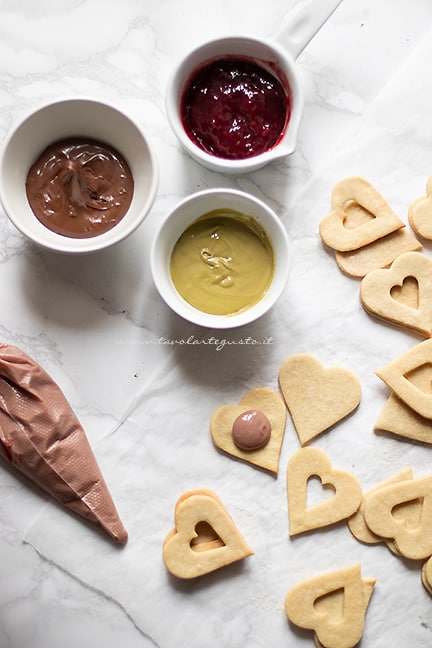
x=405 y=377
x=333 y=605
x=201 y=513
x=317 y=397
x=401 y=294
x=309 y=462
x=262 y=400
x=378 y=218
x=407 y=292
x=384 y=516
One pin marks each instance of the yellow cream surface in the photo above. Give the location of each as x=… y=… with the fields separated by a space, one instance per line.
x=223 y=263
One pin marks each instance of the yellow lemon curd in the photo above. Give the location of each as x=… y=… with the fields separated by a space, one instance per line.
x=223 y=263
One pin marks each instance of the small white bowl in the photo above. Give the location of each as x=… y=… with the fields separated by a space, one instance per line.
x=268 y=55
x=183 y=215
x=277 y=55
x=82 y=117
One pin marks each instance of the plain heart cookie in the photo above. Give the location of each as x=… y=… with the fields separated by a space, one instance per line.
x=379 y=254
x=333 y=605
x=313 y=462
x=401 y=294
x=317 y=397
x=205 y=537
x=258 y=401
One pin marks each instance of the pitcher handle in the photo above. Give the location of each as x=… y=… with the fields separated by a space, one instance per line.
x=302 y=23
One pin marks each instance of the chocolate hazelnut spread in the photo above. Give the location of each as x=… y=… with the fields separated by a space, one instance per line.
x=79 y=187
x=41 y=436
x=251 y=430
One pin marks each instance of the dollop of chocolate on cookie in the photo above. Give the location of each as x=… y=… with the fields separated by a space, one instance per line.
x=251 y=430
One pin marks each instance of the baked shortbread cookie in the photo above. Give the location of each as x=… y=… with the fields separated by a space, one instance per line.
x=252 y=430
x=389 y=512
x=313 y=462
x=405 y=376
x=379 y=254
x=205 y=537
x=333 y=605
x=399 y=419
x=426 y=575
x=317 y=397
x=357 y=524
x=401 y=294
x=359 y=216
x=363 y=230
x=420 y=213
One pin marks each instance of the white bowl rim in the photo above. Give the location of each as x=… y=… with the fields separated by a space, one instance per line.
x=282 y=148
x=189 y=312
x=71 y=245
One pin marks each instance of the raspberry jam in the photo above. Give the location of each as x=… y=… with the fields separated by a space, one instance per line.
x=234 y=109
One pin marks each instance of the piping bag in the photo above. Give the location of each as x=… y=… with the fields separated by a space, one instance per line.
x=41 y=436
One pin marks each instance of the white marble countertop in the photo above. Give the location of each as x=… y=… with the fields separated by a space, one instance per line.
x=99 y=328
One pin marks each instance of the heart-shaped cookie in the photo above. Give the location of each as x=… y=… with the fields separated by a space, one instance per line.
x=317 y=397
x=399 y=419
x=357 y=524
x=383 y=516
x=420 y=213
x=376 y=219
x=313 y=462
x=262 y=400
x=401 y=294
x=314 y=604
x=379 y=254
x=400 y=375
x=426 y=575
x=185 y=554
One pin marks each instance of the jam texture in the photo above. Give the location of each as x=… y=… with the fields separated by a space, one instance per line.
x=235 y=109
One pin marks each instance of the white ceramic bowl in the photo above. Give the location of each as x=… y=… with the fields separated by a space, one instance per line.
x=185 y=213
x=269 y=55
x=70 y=118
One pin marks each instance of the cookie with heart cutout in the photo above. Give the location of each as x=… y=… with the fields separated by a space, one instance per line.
x=359 y=216
x=205 y=537
x=363 y=230
x=332 y=605
x=405 y=376
x=317 y=397
x=357 y=523
x=401 y=294
x=253 y=430
x=402 y=421
x=389 y=513
x=346 y=498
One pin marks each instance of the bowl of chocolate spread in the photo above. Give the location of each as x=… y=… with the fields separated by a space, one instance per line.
x=77 y=175
x=220 y=258
x=235 y=103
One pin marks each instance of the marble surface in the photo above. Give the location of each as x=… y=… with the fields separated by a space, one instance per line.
x=144 y=396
